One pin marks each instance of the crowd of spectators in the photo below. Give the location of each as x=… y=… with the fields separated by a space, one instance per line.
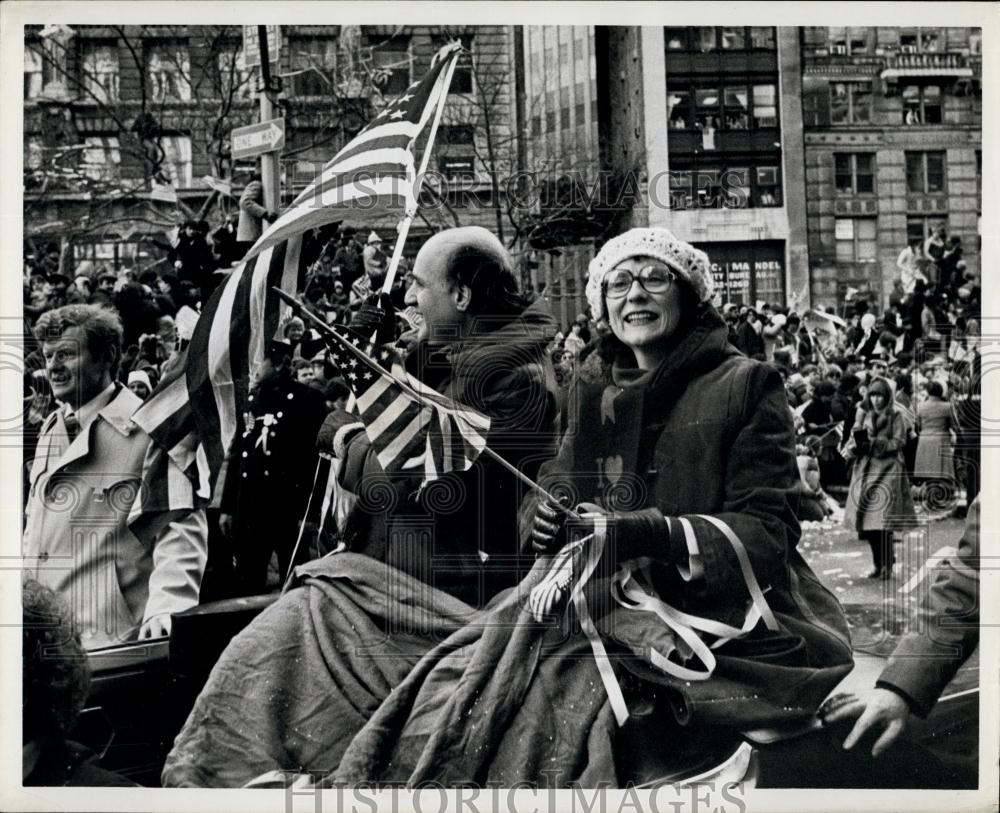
x=925 y=345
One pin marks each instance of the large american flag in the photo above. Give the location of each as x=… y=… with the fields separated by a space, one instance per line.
x=194 y=417
x=376 y=169
x=409 y=424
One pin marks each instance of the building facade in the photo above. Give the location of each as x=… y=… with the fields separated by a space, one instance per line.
x=561 y=158
x=709 y=120
x=893 y=150
x=127 y=129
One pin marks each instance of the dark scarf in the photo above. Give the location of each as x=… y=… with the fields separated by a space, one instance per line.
x=621 y=411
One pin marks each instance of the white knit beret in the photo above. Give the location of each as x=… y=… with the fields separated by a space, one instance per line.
x=691 y=264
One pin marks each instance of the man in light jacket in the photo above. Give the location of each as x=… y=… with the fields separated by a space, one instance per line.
x=122 y=580
x=252 y=213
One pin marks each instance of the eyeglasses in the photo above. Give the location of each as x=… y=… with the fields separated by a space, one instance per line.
x=655 y=279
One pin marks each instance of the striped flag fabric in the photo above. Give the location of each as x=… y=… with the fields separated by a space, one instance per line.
x=375 y=171
x=194 y=417
x=198 y=410
x=408 y=423
x=175 y=472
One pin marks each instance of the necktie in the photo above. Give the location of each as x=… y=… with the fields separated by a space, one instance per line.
x=72 y=425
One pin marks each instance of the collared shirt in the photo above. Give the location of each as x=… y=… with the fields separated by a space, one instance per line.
x=86 y=414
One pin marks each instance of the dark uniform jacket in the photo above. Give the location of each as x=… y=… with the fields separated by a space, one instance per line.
x=273 y=462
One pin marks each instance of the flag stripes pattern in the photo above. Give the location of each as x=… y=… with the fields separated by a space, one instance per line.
x=175 y=472
x=408 y=424
x=197 y=412
x=230 y=339
x=375 y=171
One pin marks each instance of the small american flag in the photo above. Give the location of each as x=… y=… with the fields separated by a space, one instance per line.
x=376 y=168
x=408 y=423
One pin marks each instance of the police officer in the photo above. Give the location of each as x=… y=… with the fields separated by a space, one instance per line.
x=270 y=470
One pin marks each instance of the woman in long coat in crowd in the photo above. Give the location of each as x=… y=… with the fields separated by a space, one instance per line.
x=934 y=462
x=878 y=499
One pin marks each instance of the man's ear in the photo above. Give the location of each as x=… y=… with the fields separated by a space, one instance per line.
x=461 y=296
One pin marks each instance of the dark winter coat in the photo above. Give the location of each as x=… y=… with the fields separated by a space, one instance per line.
x=461 y=529
x=710 y=433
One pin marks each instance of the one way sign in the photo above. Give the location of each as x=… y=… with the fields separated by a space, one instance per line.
x=256 y=139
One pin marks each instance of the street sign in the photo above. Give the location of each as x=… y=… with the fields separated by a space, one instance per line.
x=251 y=45
x=257 y=139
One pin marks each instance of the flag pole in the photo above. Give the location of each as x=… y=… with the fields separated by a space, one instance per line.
x=325 y=329
x=404 y=225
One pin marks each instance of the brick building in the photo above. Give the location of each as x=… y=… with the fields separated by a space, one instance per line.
x=127 y=128
x=893 y=149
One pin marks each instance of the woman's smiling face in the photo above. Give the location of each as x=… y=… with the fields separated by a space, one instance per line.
x=643 y=320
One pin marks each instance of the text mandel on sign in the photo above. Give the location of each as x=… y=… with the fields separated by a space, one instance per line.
x=257 y=139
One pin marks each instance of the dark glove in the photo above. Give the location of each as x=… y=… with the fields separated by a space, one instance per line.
x=548 y=531
x=631 y=533
x=271 y=216
x=878 y=447
x=376 y=315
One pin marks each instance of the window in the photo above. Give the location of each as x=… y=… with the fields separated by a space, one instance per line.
x=550 y=121
x=849 y=40
x=458 y=134
x=177 y=161
x=580 y=112
x=675 y=39
x=850 y=102
x=101 y=159
x=711 y=38
x=564 y=122
x=32 y=71
x=100 y=72
x=920 y=40
x=765 y=108
x=393 y=63
x=922 y=104
x=731 y=187
x=706 y=102
x=536 y=125
x=168 y=72
x=563 y=53
x=734 y=39
x=314 y=66
x=920 y=228
x=461 y=80
x=856 y=239
x=924 y=173
x=854 y=173
x=735 y=107
x=975 y=41
x=235 y=80
x=768 y=187
x=762 y=37
x=678 y=109
x=736 y=187
x=705 y=37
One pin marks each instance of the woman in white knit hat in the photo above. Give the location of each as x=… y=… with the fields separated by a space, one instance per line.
x=685 y=449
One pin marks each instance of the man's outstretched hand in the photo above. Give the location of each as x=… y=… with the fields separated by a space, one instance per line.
x=877 y=710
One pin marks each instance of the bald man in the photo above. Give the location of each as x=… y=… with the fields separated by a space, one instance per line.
x=481 y=344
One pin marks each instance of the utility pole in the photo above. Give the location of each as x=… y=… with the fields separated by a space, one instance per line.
x=270 y=177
